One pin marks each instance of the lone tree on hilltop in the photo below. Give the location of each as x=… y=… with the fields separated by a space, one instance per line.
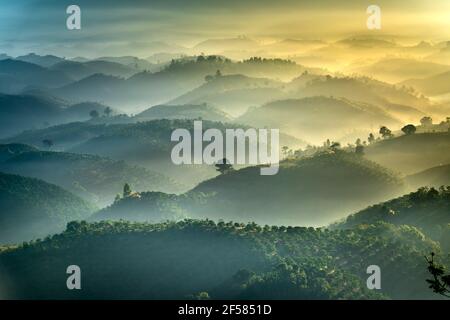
x=107 y=111
x=426 y=121
x=409 y=129
x=385 y=132
x=48 y=143
x=94 y=114
x=126 y=190
x=223 y=166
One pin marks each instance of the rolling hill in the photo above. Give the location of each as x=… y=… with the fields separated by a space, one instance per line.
x=427 y=209
x=22 y=112
x=200 y=111
x=410 y=154
x=233 y=93
x=175 y=79
x=31 y=208
x=41 y=60
x=91 y=177
x=144 y=207
x=146 y=144
x=399 y=69
x=80 y=70
x=17 y=75
x=317 y=118
x=194 y=259
x=361 y=89
x=432 y=86
x=11 y=150
x=432 y=177
x=310 y=191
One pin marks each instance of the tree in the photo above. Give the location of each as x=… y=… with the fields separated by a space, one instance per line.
x=223 y=166
x=409 y=129
x=371 y=138
x=441 y=281
x=426 y=121
x=218 y=74
x=107 y=111
x=126 y=190
x=335 y=146
x=94 y=114
x=285 y=150
x=385 y=132
x=48 y=143
x=202 y=296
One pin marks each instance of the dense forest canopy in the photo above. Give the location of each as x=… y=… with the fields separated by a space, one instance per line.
x=228 y=260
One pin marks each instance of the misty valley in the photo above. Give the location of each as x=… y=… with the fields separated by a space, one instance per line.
x=230 y=168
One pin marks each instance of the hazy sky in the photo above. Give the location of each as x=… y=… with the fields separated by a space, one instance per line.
x=127 y=26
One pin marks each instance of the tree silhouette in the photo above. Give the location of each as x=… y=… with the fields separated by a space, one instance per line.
x=94 y=114
x=48 y=143
x=126 y=190
x=223 y=166
x=335 y=146
x=441 y=281
x=426 y=121
x=107 y=111
x=371 y=138
x=409 y=129
x=385 y=132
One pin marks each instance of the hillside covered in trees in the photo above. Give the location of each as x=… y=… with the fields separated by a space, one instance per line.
x=94 y=178
x=427 y=209
x=31 y=208
x=309 y=191
x=200 y=258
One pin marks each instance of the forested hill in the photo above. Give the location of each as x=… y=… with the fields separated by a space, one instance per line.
x=31 y=208
x=309 y=191
x=427 y=209
x=94 y=178
x=199 y=258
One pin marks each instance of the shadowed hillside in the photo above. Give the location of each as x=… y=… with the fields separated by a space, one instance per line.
x=94 y=178
x=224 y=260
x=31 y=208
x=409 y=154
x=310 y=191
x=427 y=209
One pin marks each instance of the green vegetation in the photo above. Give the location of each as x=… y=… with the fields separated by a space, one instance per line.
x=441 y=281
x=143 y=207
x=94 y=178
x=308 y=191
x=31 y=208
x=226 y=260
x=412 y=153
x=432 y=177
x=201 y=111
x=21 y=112
x=427 y=209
